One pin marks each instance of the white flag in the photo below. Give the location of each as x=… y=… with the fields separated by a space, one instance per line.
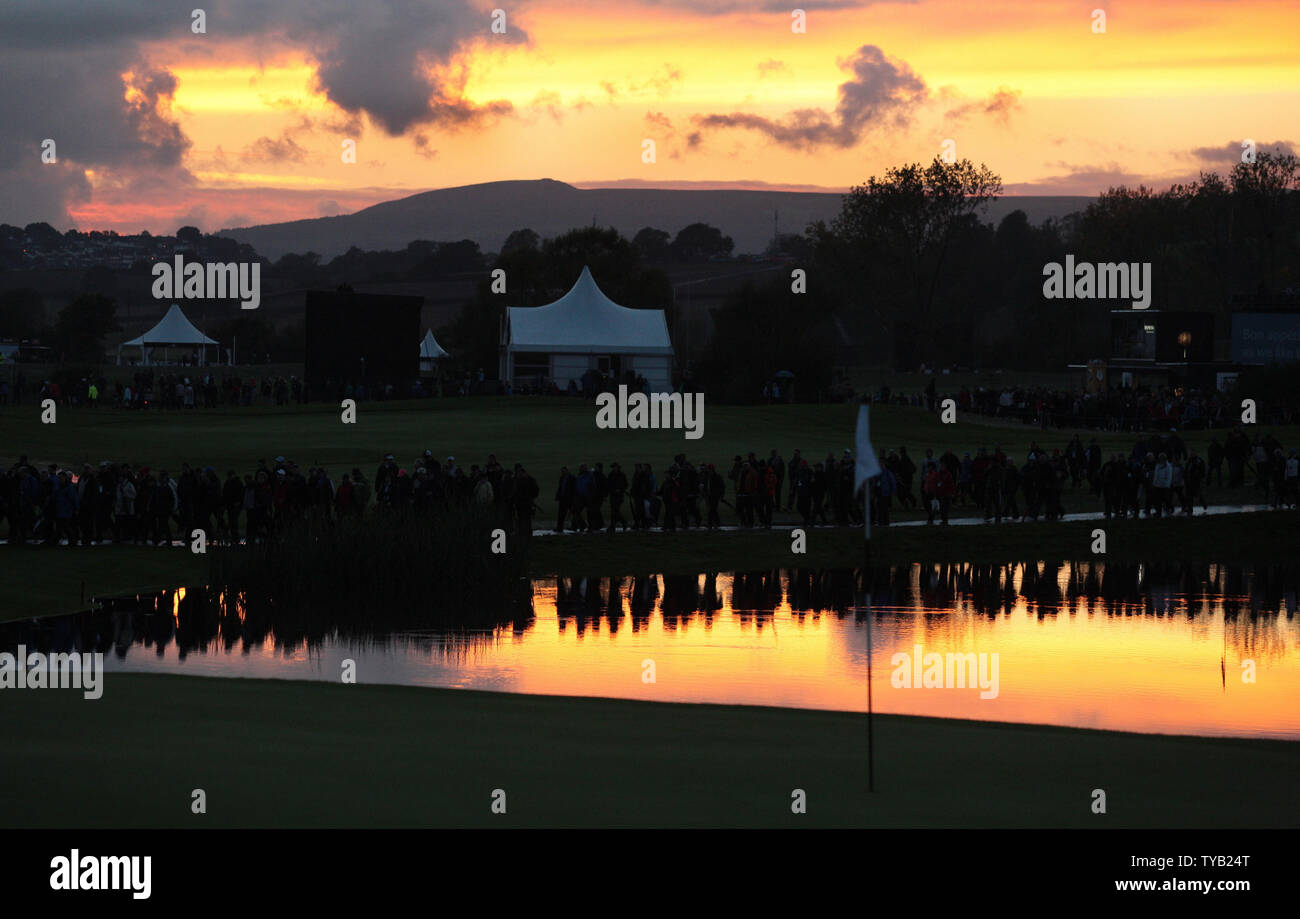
x=867 y=465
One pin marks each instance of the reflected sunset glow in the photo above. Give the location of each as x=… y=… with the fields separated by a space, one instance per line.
x=1076 y=645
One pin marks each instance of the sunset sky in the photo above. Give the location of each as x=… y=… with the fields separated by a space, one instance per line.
x=156 y=126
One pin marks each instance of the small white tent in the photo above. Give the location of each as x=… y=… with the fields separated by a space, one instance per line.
x=173 y=329
x=585 y=330
x=430 y=351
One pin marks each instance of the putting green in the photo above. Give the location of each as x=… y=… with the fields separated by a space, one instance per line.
x=282 y=753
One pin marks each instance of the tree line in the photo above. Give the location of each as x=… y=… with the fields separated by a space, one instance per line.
x=907 y=274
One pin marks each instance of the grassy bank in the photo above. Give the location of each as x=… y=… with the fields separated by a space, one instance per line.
x=279 y=753
x=37 y=581
x=543 y=434
x=1267 y=537
x=46 y=581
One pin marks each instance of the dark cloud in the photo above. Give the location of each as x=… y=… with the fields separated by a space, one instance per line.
x=32 y=191
x=659 y=120
x=344 y=126
x=1229 y=154
x=1096 y=176
x=882 y=93
x=282 y=150
x=62 y=64
x=381 y=58
x=200 y=215
x=1091 y=179
x=150 y=184
x=423 y=147
x=388 y=59
x=87 y=108
x=999 y=106
x=453 y=114
x=96 y=117
x=389 y=70
x=148 y=99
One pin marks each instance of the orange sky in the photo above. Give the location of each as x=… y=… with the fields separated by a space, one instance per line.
x=1081 y=110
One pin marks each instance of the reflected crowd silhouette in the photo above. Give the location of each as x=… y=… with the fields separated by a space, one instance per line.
x=199 y=621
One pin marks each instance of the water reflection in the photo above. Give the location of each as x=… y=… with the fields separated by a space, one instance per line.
x=1143 y=647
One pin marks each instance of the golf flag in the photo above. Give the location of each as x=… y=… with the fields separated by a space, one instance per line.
x=867 y=465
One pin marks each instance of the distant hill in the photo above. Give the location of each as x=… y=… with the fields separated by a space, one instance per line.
x=489 y=212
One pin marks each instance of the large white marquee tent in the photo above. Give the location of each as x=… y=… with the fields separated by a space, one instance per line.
x=585 y=330
x=174 y=329
x=430 y=351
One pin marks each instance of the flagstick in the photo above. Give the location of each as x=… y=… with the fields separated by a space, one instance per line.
x=861 y=472
x=866 y=542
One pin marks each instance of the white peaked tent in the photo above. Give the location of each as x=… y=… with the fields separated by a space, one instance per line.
x=173 y=329
x=430 y=351
x=585 y=330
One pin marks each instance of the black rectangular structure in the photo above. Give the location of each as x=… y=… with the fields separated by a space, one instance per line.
x=1162 y=336
x=361 y=339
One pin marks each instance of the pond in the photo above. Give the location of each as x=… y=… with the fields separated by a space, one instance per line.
x=1178 y=649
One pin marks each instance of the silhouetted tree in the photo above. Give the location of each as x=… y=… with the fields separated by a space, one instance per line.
x=891 y=242
x=99 y=279
x=43 y=234
x=652 y=244
x=450 y=258
x=521 y=240
x=81 y=326
x=22 y=313
x=746 y=354
x=699 y=242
